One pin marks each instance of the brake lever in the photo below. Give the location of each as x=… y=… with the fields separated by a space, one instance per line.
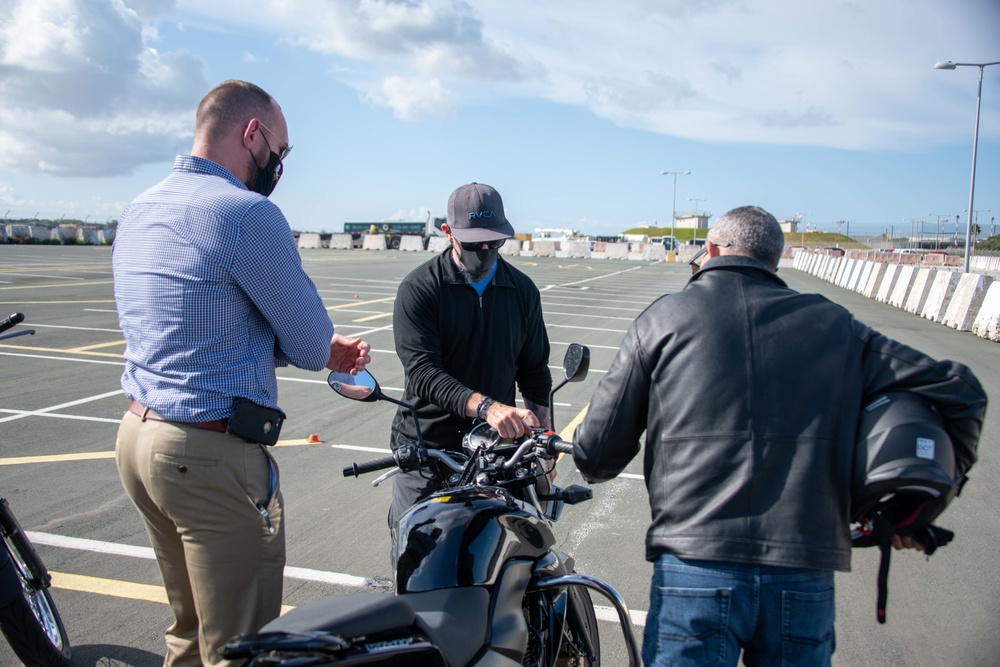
x=381 y=478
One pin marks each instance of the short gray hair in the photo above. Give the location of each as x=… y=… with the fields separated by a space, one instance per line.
x=750 y=231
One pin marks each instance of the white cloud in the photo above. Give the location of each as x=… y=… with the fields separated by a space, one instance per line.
x=410 y=99
x=84 y=94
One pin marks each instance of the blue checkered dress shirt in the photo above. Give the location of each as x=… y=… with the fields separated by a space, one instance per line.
x=211 y=296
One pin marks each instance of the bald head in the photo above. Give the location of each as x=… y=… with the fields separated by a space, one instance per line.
x=231 y=105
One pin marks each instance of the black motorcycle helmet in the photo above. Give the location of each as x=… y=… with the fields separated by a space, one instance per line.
x=904 y=464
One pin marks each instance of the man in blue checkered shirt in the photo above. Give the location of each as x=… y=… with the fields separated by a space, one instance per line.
x=211 y=297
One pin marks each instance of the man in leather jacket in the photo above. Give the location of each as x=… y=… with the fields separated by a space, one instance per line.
x=750 y=394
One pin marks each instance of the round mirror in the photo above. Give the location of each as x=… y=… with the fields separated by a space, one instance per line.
x=360 y=387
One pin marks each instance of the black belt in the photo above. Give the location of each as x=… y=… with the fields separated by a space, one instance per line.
x=139 y=409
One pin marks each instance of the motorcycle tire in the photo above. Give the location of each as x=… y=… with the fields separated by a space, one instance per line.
x=582 y=646
x=30 y=621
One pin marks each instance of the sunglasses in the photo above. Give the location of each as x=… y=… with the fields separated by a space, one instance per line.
x=282 y=152
x=697 y=260
x=492 y=245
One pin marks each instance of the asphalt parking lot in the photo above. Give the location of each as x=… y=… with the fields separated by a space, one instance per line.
x=60 y=403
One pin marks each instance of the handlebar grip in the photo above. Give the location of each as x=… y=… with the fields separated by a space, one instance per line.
x=10 y=321
x=563 y=447
x=358 y=469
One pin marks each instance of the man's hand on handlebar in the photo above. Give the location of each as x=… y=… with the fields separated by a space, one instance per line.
x=511 y=422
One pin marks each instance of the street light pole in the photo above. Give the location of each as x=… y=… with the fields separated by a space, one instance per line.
x=938 y=228
x=673 y=207
x=947 y=64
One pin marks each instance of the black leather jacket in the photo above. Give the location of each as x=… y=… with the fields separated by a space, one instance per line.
x=452 y=342
x=750 y=395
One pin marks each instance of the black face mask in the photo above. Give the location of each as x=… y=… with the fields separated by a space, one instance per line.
x=477 y=263
x=267 y=178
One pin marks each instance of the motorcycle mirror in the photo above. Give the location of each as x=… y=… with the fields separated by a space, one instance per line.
x=360 y=387
x=576 y=363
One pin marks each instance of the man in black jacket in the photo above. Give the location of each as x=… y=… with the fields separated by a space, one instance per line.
x=750 y=395
x=468 y=328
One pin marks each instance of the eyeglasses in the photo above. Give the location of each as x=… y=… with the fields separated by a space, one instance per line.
x=492 y=245
x=282 y=152
x=696 y=261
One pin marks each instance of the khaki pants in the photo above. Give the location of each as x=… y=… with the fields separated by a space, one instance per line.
x=197 y=492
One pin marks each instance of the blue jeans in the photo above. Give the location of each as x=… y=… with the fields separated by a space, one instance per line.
x=705 y=613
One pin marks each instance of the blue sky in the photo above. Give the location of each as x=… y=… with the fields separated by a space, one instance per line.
x=831 y=111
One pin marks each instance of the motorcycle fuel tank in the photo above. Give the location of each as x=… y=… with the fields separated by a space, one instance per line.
x=463 y=537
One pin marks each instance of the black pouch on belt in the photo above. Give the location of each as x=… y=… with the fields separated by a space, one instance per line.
x=255 y=423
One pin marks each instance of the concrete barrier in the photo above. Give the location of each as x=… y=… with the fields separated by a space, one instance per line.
x=18 y=232
x=844 y=271
x=903 y=283
x=918 y=291
x=888 y=282
x=576 y=248
x=616 y=251
x=340 y=242
x=373 y=242
x=852 y=281
x=866 y=274
x=438 y=243
x=874 y=280
x=939 y=295
x=511 y=248
x=543 y=248
x=411 y=242
x=309 y=240
x=966 y=301
x=89 y=236
x=987 y=323
x=655 y=252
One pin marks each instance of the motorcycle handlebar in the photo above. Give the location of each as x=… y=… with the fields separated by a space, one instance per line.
x=10 y=321
x=358 y=469
x=563 y=447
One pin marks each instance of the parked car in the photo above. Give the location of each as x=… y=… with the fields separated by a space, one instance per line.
x=907 y=251
x=830 y=250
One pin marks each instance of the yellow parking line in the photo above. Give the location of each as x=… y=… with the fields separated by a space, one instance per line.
x=48 y=303
x=87 y=348
x=93 y=456
x=56 y=458
x=28 y=348
x=361 y=303
x=372 y=317
x=95 y=282
x=115 y=588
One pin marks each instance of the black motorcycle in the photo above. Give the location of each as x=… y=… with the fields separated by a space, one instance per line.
x=28 y=616
x=478 y=581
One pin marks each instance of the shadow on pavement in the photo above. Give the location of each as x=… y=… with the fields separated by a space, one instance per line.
x=110 y=655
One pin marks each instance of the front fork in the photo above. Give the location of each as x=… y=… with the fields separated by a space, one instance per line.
x=605 y=589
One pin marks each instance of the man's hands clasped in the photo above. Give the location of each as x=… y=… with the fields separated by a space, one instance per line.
x=348 y=355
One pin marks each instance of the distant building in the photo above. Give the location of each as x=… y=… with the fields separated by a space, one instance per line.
x=789 y=226
x=688 y=221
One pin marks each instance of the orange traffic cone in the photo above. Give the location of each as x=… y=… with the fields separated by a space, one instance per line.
x=313 y=439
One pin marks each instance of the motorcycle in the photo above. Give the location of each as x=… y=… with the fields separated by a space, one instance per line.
x=478 y=580
x=28 y=616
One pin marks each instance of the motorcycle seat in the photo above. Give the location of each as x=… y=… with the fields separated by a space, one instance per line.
x=347 y=616
x=454 y=619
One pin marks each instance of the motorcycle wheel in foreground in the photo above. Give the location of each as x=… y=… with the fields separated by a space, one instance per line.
x=28 y=616
x=478 y=579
